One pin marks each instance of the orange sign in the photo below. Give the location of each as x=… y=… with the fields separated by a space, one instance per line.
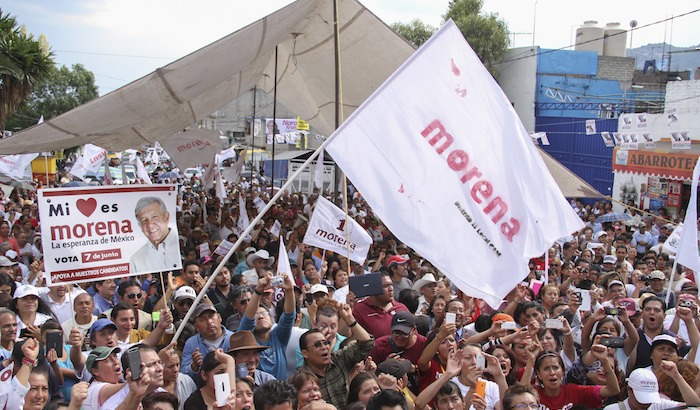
x=673 y=165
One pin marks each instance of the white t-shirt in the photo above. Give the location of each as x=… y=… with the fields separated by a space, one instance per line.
x=665 y=404
x=492 y=393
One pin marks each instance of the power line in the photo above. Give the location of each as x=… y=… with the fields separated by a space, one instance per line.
x=112 y=55
x=600 y=38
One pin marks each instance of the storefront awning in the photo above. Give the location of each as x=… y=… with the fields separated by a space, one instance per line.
x=663 y=162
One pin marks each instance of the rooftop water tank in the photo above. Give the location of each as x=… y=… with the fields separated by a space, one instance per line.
x=615 y=44
x=589 y=37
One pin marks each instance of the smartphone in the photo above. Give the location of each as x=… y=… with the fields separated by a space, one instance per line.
x=508 y=326
x=616 y=342
x=480 y=361
x=584 y=298
x=222 y=384
x=612 y=311
x=241 y=370
x=480 y=388
x=450 y=317
x=155 y=318
x=54 y=340
x=24 y=333
x=134 y=357
x=553 y=324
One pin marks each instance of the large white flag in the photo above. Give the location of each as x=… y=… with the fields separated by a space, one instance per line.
x=192 y=147
x=16 y=166
x=330 y=229
x=318 y=172
x=452 y=172
x=89 y=161
x=233 y=173
x=687 y=254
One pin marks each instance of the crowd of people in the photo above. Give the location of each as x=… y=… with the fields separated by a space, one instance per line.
x=593 y=325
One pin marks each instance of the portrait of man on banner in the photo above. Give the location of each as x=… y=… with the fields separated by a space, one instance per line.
x=161 y=252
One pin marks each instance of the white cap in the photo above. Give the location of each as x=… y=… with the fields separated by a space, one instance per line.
x=645 y=386
x=319 y=288
x=185 y=292
x=26 y=290
x=11 y=254
x=609 y=259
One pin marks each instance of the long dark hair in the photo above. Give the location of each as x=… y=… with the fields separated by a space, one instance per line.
x=356 y=383
x=510 y=377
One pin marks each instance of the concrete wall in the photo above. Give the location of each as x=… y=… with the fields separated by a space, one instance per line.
x=518 y=80
x=616 y=68
x=684 y=96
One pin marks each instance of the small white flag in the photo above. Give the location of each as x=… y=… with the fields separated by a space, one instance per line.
x=330 y=229
x=259 y=203
x=276 y=229
x=243 y=220
x=223 y=247
x=673 y=240
x=204 y=250
x=141 y=172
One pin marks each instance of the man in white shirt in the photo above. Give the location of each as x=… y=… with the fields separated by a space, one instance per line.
x=59 y=298
x=643 y=390
x=162 y=250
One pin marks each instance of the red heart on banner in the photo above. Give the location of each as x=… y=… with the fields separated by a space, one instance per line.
x=86 y=206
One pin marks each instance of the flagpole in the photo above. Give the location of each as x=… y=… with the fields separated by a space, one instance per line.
x=670 y=282
x=252 y=142
x=274 y=127
x=247 y=230
x=46 y=168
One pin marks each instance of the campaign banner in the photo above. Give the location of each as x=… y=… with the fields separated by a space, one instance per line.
x=105 y=232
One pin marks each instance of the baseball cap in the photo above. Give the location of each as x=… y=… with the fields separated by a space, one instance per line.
x=403 y=322
x=395 y=367
x=629 y=304
x=319 y=288
x=502 y=316
x=101 y=324
x=99 y=353
x=4 y=261
x=26 y=290
x=249 y=250
x=664 y=339
x=644 y=385
x=185 y=292
x=397 y=260
x=657 y=274
x=203 y=307
x=11 y=255
x=615 y=282
x=609 y=259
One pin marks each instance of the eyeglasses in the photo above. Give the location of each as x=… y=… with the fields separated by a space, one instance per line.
x=398 y=333
x=244 y=301
x=533 y=406
x=133 y=295
x=262 y=314
x=320 y=343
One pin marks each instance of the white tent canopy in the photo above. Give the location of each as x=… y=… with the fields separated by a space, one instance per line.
x=178 y=95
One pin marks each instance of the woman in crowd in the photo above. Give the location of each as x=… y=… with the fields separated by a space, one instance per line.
x=215 y=362
x=32 y=312
x=506 y=358
x=436 y=310
x=362 y=388
x=607 y=325
x=521 y=397
x=244 y=394
x=433 y=360
x=306 y=384
x=554 y=394
x=549 y=295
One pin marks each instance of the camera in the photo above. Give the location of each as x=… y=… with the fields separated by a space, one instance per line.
x=614 y=342
x=685 y=303
x=612 y=311
x=276 y=281
x=644 y=278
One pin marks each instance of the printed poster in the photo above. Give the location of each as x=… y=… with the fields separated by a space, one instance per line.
x=96 y=233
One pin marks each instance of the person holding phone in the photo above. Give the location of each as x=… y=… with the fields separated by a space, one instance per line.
x=404 y=341
x=148 y=381
x=215 y=362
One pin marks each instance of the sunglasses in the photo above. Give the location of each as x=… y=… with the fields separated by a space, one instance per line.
x=133 y=295
x=185 y=302
x=244 y=301
x=320 y=343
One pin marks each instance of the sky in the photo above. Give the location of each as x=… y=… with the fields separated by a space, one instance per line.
x=121 y=41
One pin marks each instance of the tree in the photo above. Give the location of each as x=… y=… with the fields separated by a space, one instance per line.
x=485 y=32
x=416 y=32
x=62 y=90
x=24 y=62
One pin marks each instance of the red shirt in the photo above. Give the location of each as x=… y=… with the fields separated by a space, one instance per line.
x=383 y=348
x=571 y=394
x=377 y=321
x=435 y=371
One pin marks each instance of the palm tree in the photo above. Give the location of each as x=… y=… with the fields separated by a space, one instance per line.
x=24 y=62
